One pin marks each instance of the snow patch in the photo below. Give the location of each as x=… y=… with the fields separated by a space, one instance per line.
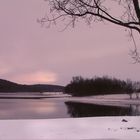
x=109 y=128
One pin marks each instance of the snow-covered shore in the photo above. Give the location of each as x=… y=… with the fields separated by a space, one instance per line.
x=92 y=128
x=32 y=95
x=113 y=100
x=105 y=128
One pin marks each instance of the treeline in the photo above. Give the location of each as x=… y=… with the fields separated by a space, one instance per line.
x=100 y=86
x=8 y=86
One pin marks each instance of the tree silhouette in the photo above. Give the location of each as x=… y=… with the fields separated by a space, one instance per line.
x=71 y=11
x=98 y=86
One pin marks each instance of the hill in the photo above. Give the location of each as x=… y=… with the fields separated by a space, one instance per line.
x=8 y=86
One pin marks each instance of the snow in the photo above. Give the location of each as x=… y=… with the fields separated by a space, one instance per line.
x=33 y=95
x=107 y=128
x=112 y=100
x=90 y=128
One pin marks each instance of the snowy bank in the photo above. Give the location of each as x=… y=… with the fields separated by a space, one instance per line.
x=112 y=100
x=107 y=128
x=33 y=95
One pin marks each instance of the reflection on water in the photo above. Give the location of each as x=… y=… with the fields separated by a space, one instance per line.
x=135 y=110
x=76 y=109
x=59 y=108
x=32 y=109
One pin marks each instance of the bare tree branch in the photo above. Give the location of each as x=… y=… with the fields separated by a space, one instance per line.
x=97 y=10
x=137 y=9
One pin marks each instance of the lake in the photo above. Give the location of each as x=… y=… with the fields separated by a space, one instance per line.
x=59 y=108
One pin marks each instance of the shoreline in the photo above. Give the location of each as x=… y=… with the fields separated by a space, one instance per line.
x=110 y=102
x=85 y=128
x=105 y=128
x=121 y=100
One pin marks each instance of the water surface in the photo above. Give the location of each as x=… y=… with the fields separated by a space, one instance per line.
x=59 y=108
x=32 y=109
x=76 y=109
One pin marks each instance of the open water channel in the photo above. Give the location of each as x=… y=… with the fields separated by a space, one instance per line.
x=59 y=108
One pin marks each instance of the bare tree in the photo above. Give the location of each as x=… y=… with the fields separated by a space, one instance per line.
x=125 y=13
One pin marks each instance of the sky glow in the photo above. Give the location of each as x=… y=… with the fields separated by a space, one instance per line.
x=30 y=53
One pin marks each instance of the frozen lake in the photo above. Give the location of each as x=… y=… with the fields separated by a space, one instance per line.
x=64 y=107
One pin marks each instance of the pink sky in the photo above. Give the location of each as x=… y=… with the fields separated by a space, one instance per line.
x=32 y=54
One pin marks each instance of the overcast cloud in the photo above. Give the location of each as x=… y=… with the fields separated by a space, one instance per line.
x=32 y=54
